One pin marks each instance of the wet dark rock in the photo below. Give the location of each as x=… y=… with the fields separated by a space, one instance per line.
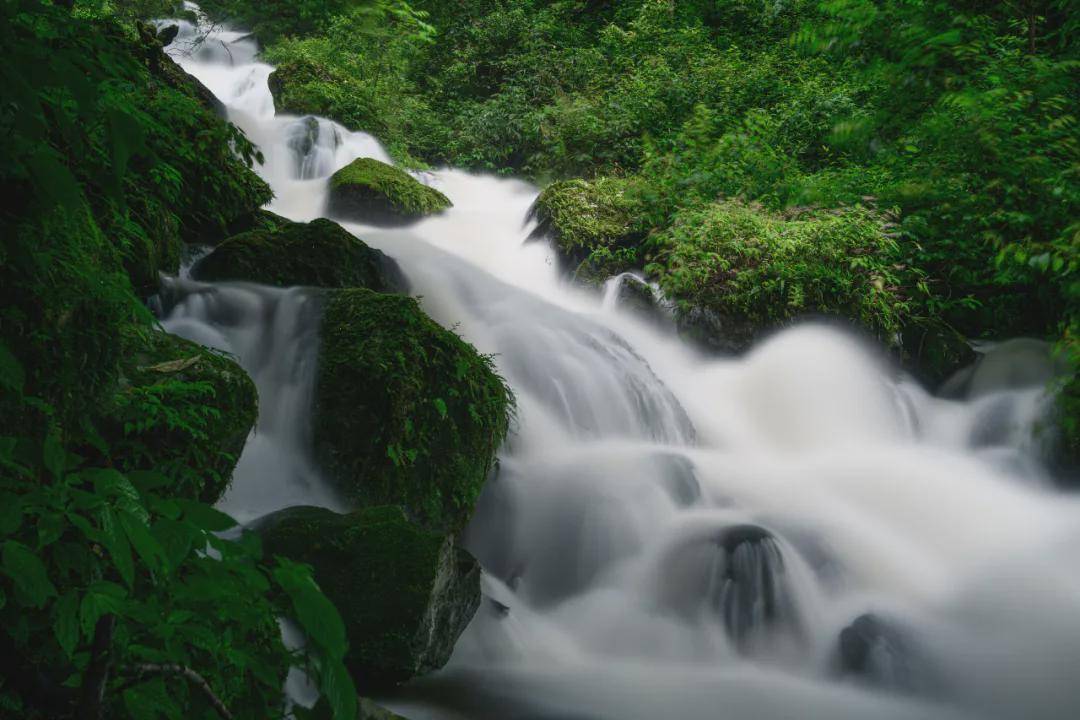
x=874 y=651
x=167 y=34
x=316 y=254
x=404 y=593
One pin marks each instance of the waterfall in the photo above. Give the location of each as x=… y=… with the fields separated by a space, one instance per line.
x=801 y=532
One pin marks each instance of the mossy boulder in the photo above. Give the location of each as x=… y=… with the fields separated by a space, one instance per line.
x=736 y=270
x=404 y=593
x=373 y=192
x=180 y=409
x=406 y=412
x=591 y=224
x=319 y=254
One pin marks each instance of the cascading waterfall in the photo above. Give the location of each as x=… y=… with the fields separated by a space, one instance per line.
x=802 y=532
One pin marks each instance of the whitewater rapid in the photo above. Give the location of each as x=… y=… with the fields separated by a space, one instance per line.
x=802 y=532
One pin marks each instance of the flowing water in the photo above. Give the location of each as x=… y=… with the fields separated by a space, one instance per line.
x=802 y=532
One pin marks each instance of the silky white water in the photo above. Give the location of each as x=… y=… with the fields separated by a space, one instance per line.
x=670 y=535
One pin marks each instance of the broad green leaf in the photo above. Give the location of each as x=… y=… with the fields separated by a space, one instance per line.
x=11 y=513
x=147 y=547
x=54 y=455
x=66 y=622
x=205 y=516
x=28 y=573
x=150 y=700
x=12 y=376
x=337 y=686
x=440 y=406
x=115 y=541
x=101 y=598
x=175 y=538
x=316 y=614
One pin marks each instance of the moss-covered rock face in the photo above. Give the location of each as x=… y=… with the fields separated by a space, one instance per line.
x=373 y=192
x=736 y=270
x=406 y=412
x=320 y=254
x=404 y=593
x=180 y=409
x=591 y=224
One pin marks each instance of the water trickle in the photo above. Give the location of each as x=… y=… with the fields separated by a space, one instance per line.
x=671 y=535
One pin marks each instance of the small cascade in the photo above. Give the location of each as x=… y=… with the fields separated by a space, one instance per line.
x=273 y=334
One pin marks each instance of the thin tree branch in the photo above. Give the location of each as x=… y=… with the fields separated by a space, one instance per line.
x=97 y=672
x=145 y=670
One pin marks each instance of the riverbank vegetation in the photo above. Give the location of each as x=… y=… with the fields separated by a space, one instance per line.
x=956 y=117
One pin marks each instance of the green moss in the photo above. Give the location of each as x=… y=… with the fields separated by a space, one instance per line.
x=404 y=593
x=592 y=224
x=180 y=409
x=407 y=413
x=372 y=191
x=62 y=294
x=319 y=254
x=761 y=269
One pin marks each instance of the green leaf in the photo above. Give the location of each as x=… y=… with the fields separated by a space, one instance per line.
x=66 y=623
x=175 y=539
x=440 y=406
x=316 y=614
x=115 y=541
x=147 y=547
x=27 y=571
x=205 y=516
x=11 y=513
x=150 y=700
x=337 y=686
x=102 y=598
x=54 y=455
x=12 y=375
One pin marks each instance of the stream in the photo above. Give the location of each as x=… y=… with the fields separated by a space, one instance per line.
x=800 y=532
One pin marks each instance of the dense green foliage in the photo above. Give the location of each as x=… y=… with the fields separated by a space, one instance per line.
x=372 y=191
x=406 y=412
x=405 y=593
x=117 y=595
x=958 y=114
x=179 y=409
x=319 y=254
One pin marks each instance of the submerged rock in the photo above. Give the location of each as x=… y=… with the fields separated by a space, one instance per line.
x=373 y=192
x=404 y=593
x=318 y=254
x=874 y=651
x=211 y=407
x=738 y=576
x=406 y=412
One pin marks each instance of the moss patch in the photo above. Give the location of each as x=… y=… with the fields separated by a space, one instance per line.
x=592 y=225
x=180 y=409
x=407 y=413
x=319 y=254
x=404 y=593
x=374 y=192
x=748 y=269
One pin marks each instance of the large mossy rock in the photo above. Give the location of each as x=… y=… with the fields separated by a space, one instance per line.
x=404 y=593
x=179 y=409
x=317 y=254
x=373 y=192
x=591 y=224
x=737 y=270
x=406 y=412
